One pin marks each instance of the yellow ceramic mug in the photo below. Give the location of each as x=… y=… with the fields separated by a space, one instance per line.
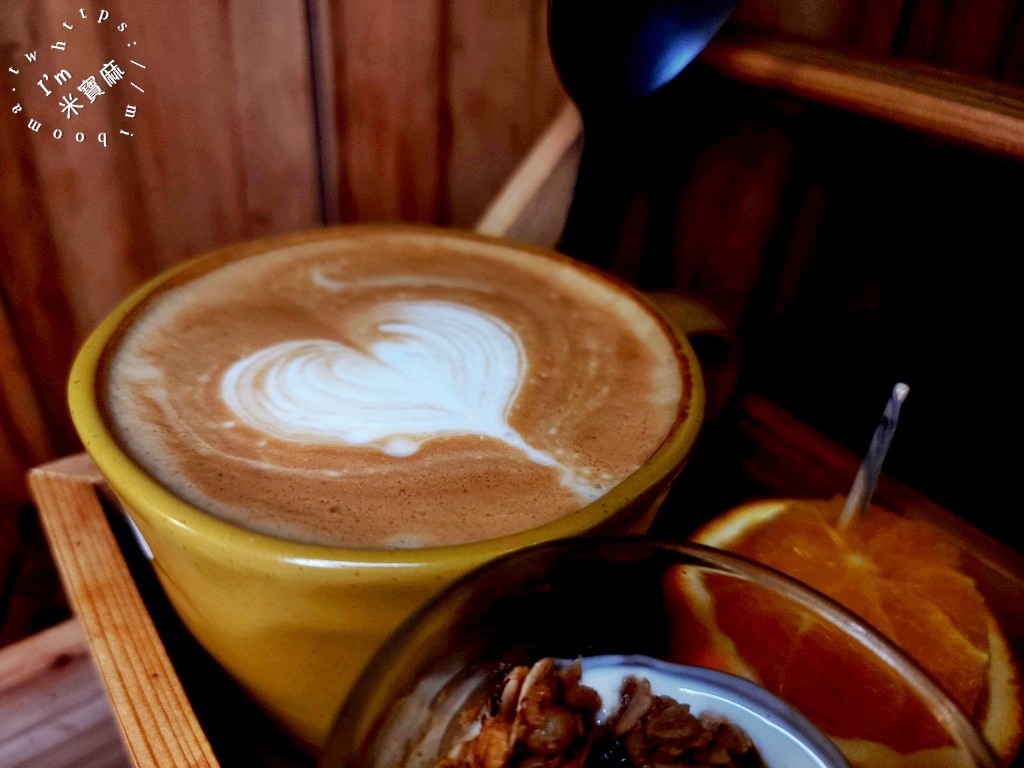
x=293 y=622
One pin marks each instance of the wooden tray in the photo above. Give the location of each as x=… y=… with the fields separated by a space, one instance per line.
x=172 y=702
x=176 y=708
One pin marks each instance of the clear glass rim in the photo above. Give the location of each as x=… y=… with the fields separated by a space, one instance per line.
x=358 y=715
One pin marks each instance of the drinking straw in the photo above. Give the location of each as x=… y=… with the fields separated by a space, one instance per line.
x=866 y=480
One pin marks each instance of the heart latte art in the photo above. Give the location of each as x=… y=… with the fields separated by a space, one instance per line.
x=438 y=369
x=390 y=391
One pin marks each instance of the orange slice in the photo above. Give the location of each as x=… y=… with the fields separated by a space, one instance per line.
x=902 y=576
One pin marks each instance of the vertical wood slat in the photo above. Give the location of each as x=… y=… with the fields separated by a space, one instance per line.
x=435 y=103
x=40 y=313
x=223 y=149
x=547 y=96
x=873 y=26
x=230 y=144
x=276 y=117
x=141 y=682
x=499 y=94
x=24 y=434
x=387 y=81
x=325 y=95
x=186 y=181
x=24 y=442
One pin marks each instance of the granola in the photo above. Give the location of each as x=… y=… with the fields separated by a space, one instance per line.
x=544 y=717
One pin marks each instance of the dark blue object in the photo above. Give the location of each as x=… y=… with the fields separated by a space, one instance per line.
x=610 y=57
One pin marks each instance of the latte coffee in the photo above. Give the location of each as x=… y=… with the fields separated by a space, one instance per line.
x=392 y=388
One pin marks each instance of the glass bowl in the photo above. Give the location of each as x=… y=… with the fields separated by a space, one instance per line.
x=825 y=681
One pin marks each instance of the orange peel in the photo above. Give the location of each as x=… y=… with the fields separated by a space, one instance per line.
x=901 y=576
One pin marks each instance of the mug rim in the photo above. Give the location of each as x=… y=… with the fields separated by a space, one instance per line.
x=147 y=497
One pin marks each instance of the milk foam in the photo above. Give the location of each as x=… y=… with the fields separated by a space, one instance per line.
x=392 y=391
x=436 y=368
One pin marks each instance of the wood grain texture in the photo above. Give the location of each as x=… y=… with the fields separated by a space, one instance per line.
x=24 y=432
x=501 y=92
x=54 y=712
x=388 y=81
x=275 y=113
x=325 y=99
x=140 y=680
x=435 y=103
x=959 y=108
x=223 y=149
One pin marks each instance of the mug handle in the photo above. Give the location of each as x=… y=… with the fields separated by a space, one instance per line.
x=713 y=341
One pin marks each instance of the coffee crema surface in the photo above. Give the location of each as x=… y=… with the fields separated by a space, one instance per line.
x=392 y=389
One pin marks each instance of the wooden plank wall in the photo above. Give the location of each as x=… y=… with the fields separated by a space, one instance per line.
x=434 y=103
x=263 y=116
x=218 y=155
x=227 y=149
